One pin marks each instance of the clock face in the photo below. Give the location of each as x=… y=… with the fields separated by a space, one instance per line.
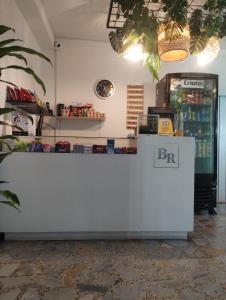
x=104 y=88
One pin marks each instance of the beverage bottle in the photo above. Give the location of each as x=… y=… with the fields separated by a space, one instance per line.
x=185 y=116
x=193 y=97
x=209 y=150
x=198 y=116
x=197 y=97
x=196 y=148
x=201 y=99
x=205 y=100
x=189 y=114
x=193 y=116
x=204 y=148
x=199 y=148
x=208 y=113
x=203 y=114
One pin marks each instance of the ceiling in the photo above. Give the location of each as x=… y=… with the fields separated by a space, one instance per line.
x=83 y=19
x=78 y=19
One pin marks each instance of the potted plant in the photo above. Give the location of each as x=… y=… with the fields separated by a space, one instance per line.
x=10 y=48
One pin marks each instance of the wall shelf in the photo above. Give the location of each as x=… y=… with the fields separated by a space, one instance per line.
x=80 y=118
x=30 y=108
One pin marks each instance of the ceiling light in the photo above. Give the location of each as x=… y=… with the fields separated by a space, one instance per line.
x=174 y=50
x=134 y=53
x=210 y=52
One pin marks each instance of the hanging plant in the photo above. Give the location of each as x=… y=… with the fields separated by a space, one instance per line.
x=144 y=21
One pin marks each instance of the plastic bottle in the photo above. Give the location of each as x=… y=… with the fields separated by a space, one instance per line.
x=189 y=114
x=199 y=148
x=204 y=148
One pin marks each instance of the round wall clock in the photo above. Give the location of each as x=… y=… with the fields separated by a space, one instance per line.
x=104 y=88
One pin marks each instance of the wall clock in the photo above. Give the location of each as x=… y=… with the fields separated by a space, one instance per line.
x=104 y=88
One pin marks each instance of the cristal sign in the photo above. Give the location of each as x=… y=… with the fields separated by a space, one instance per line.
x=189 y=83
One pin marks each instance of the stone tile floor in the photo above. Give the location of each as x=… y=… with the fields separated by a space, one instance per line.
x=124 y=270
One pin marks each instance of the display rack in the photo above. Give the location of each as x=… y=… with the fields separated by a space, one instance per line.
x=30 y=108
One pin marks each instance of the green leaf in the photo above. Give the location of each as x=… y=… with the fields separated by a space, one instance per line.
x=6 y=50
x=18 y=56
x=6 y=144
x=28 y=71
x=196 y=22
x=152 y=63
x=8 y=82
x=9 y=41
x=4 y=29
x=5 y=110
x=198 y=43
x=4 y=155
x=8 y=137
x=10 y=196
x=11 y=203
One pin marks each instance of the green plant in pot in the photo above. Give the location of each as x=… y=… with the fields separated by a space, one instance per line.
x=9 y=48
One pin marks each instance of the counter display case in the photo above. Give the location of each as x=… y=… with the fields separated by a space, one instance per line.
x=73 y=144
x=77 y=196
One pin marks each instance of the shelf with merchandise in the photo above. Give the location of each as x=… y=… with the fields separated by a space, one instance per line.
x=31 y=108
x=80 y=118
x=195 y=121
x=48 y=143
x=196 y=104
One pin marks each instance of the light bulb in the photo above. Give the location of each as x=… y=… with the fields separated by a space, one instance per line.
x=210 y=52
x=134 y=53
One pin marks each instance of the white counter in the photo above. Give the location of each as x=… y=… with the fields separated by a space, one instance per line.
x=67 y=196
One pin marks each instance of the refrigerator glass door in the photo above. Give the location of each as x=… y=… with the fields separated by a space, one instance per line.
x=194 y=100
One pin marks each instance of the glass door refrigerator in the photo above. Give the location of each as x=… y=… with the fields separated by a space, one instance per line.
x=197 y=95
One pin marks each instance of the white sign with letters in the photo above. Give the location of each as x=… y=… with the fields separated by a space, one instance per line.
x=166 y=156
x=189 y=83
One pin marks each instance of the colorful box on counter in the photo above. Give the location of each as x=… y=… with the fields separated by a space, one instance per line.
x=88 y=149
x=99 y=149
x=36 y=147
x=78 y=148
x=131 y=150
x=63 y=147
x=124 y=150
x=110 y=146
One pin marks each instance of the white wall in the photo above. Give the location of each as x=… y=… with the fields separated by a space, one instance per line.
x=79 y=65
x=11 y=16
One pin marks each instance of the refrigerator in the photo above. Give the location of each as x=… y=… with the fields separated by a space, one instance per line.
x=195 y=95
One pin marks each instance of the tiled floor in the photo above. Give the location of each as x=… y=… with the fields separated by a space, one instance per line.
x=125 y=270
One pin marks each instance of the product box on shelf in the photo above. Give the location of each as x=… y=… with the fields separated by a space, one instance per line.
x=99 y=149
x=63 y=147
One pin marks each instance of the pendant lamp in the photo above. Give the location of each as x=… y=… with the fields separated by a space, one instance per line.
x=173 y=50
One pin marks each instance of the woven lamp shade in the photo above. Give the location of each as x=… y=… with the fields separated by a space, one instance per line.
x=176 y=49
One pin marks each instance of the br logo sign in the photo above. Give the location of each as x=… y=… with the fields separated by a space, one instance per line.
x=166 y=156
